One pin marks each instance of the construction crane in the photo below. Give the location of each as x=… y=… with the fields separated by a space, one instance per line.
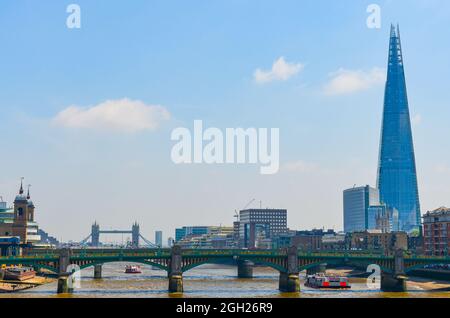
x=236 y=213
x=248 y=204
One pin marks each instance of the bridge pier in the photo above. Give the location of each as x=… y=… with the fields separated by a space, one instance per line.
x=98 y=271
x=289 y=283
x=176 y=284
x=176 y=271
x=245 y=269
x=393 y=283
x=65 y=285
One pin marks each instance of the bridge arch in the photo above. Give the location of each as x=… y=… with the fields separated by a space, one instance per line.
x=144 y=262
x=44 y=266
x=338 y=262
x=219 y=261
x=420 y=266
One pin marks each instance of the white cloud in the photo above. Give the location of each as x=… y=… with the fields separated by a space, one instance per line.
x=348 y=81
x=416 y=119
x=281 y=71
x=123 y=115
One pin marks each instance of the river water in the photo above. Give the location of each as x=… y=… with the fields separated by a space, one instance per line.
x=211 y=281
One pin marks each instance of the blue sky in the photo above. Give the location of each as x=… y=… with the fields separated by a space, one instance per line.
x=197 y=60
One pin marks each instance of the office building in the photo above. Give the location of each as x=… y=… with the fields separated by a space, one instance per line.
x=220 y=237
x=397 y=179
x=258 y=225
x=158 y=238
x=187 y=231
x=357 y=202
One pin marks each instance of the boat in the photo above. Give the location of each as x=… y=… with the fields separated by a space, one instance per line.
x=133 y=269
x=19 y=273
x=327 y=282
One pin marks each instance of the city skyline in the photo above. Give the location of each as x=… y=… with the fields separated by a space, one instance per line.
x=328 y=107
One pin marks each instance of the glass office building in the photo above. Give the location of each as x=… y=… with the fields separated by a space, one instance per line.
x=357 y=202
x=397 y=179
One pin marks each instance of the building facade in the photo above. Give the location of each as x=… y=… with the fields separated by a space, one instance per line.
x=396 y=175
x=377 y=242
x=159 y=238
x=187 y=231
x=357 y=202
x=214 y=237
x=436 y=232
x=260 y=225
x=310 y=241
x=17 y=223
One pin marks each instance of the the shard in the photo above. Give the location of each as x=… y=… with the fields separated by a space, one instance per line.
x=397 y=178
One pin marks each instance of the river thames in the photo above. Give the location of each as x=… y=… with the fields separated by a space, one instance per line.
x=215 y=281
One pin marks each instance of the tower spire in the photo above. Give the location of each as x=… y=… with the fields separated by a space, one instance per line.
x=28 y=193
x=21 y=185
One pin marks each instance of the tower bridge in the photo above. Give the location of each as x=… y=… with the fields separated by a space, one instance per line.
x=176 y=261
x=94 y=237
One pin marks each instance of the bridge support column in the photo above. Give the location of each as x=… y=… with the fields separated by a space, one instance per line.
x=289 y=280
x=245 y=269
x=64 y=286
x=98 y=271
x=64 y=280
x=393 y=283
x=176 y=271
x=289 y=283
x=175 y=283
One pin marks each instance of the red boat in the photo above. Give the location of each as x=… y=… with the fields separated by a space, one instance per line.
x=328 y=282
x=133 y=269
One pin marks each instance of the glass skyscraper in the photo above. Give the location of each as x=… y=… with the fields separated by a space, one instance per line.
x=357 y=203
x=397 y=179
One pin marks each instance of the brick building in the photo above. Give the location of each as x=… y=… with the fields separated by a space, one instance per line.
x=436 y=232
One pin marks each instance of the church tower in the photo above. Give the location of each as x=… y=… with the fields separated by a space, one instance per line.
x=21 y=215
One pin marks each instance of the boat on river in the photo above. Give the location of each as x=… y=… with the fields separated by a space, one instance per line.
x=18 y=273
x=327 y=282
x=133 y=269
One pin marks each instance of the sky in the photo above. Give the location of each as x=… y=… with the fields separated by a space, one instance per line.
x=87 y=113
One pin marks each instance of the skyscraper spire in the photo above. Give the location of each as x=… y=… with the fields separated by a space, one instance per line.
x=397 y=179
